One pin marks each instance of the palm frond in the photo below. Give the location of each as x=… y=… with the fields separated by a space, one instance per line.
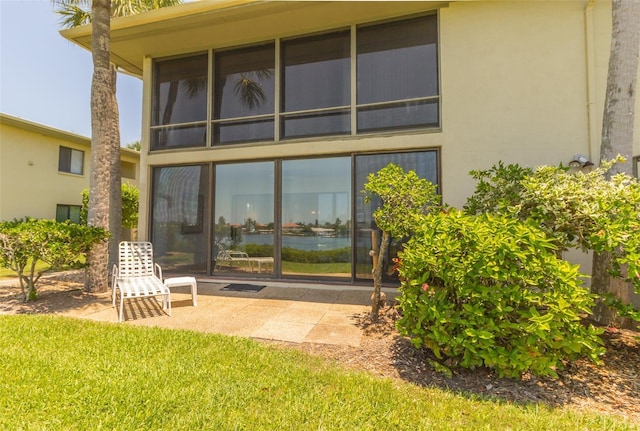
x=75 y=13
x=249 y=92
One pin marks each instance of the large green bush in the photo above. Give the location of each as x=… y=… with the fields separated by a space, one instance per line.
x=577 y=209
x=23 y=243
x=490 y=290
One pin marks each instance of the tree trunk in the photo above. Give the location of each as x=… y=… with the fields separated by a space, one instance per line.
x=377 y=275
x=618 y=118
x=115 y=187
x=103 y=122
x=603 y=283
x=617 y=129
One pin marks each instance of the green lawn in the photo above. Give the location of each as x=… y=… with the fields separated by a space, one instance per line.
x=63 y=374
x=7 y=273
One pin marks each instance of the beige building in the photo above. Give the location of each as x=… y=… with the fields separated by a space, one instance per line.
x=271 y=115
x=44 y=170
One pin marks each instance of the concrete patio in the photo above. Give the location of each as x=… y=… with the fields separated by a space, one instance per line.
x=284 y=312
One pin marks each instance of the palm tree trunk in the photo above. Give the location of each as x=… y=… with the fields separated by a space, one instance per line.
x=103 y=133
x=617 y=130
x=115 y=186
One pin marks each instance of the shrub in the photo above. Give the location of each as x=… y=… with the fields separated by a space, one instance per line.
x=25 y=242
x=130 y=203
x=490 y=290
x=579 y=209
x=290 y=254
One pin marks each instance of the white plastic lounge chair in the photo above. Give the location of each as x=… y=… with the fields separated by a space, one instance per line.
x=227 y=257
x=136 y=276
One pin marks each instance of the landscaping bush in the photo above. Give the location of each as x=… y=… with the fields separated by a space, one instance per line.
x=587 y=210
x=23 y=243
x=259 y=249
x=490 y=290
x=130 y=202
x=290 y=254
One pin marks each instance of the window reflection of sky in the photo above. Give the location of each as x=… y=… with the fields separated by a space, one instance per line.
x=245 y=190
x=317 y=189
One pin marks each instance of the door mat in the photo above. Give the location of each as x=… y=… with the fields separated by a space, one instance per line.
x=243 y=288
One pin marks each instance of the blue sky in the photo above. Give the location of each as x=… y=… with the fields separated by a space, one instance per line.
x=46 y=79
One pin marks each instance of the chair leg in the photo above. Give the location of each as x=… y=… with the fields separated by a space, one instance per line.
x=120 y=315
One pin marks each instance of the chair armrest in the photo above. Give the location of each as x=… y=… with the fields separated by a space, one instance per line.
x=237 y=253
x=158 y=271
x=115 y=273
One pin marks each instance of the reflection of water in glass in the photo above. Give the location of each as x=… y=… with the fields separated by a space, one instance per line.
x=300 y=242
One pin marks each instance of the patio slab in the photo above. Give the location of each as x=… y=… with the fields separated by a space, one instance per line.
x=288 y=312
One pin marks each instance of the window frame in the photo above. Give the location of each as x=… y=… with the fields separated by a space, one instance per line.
x=157 y=126
x=68 y=209
x=65 y=164
x=279 y=116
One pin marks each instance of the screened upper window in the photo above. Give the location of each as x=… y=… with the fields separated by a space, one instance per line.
x=71 y=161
x=180 y=103
x=244 y=95
x=397 y=70
x=301 y=87
x=316 y=85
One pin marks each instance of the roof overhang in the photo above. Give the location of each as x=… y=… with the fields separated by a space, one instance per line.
x=41 y=129
x=207 y=24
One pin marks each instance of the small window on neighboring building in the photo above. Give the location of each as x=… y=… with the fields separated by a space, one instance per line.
x=68 y=212
x=71 y=161
x=636 y=166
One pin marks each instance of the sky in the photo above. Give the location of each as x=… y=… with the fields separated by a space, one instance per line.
x=46 y=79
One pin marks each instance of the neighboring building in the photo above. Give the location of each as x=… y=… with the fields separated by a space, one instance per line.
x=262 y=119
x=44 y=170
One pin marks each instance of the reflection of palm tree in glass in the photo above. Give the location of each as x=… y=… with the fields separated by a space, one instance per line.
x=247 y=88
x=249 y=91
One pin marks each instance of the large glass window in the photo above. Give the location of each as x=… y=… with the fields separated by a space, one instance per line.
x=316 y=86
x=307 y=93
x=180 y=103
x=179 y=216
x=243 y=239
x=316 y=217
x=244 y=95
x=71 y=161
x=397 y=70
x=425 y=164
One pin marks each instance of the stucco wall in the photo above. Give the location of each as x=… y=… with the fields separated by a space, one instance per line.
x=31 y=184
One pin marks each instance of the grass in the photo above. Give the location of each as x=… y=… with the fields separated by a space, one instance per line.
x=60 y=373
x=7 y=273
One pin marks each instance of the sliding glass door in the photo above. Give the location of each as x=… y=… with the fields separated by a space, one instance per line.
x=301 y=218
x=243 y=231
x=425 y=164
x=179 y=218
x=316 y=217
